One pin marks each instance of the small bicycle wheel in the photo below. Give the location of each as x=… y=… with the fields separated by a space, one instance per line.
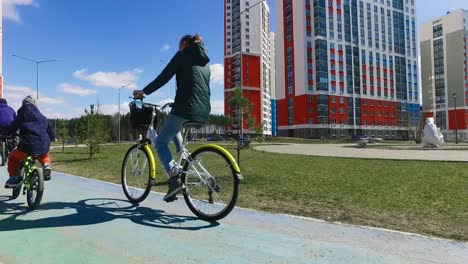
x=212 y=185
x=4 y=152
x=36 y=188
x=17 y=190
x=136 y=174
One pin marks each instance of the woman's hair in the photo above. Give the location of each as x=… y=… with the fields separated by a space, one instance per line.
x=186 y=38
x=190 y=39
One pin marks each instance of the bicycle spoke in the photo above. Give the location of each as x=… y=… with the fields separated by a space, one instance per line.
x=206 y=181
x=135 y=173
x=211 y=184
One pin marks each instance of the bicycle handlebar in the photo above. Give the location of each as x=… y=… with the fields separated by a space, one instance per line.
x=158 y=107
x=167 y=105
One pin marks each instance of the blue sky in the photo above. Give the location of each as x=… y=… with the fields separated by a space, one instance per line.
x=105 y=44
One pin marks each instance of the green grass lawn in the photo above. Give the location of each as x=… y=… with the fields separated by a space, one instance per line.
x=423 y=197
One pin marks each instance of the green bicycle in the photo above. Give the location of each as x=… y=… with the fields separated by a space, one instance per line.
x=33 y=180
x=210 y=174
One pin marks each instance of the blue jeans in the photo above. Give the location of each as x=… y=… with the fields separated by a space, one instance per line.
x=170 y=131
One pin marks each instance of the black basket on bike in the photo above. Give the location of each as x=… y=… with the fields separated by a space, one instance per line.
x=140 y=116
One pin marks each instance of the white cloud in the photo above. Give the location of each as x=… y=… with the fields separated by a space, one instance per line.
x=10 y=10
x=15 y=95
x=44 y=100
x=76 y=90
x=217 y=74
x=166 y=47
x=217 y=107
x=110 y=79
x=72 y=112
x=111 y=109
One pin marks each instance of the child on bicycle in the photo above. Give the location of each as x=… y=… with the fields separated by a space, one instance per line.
x=191 y=103
x=35 y=133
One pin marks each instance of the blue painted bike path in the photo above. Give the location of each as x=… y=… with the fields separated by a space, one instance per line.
x=87 y=221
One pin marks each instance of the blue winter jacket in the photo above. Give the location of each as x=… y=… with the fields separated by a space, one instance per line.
x=35 y=131
x=7 y=115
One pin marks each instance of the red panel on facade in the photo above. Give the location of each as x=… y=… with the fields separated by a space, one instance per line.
x=305 y=108
x=251 y=73
x=428 y=114
x=282 y=117
x=460 y=119
x=228 y=73
x=376 y=113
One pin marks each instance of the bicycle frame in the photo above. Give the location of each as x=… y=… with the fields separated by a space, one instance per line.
x=152 y=136
x=28 y=165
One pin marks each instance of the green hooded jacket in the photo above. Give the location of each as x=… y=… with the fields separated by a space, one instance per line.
x=190 y=66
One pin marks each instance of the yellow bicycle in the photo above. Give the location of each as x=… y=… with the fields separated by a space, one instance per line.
x=210 y=173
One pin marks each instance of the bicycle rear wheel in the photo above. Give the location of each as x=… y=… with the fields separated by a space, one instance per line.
x=213 y=195
x=36 y=188
x=136 y=174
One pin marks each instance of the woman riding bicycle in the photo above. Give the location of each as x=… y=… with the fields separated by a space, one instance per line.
x=35 y=134
x=191 y=103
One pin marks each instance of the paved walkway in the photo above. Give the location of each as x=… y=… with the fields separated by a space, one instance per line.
x=377 y=151
x=86 y=221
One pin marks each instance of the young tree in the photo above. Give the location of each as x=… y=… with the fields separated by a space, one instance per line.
x=63 y=134
x=259 y=132
x=93 y=130
x=243 y=112
x=414 y=123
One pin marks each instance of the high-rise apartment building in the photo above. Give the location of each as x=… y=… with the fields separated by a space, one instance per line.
x=444 y=72
x=247 y=60
x=346 y=67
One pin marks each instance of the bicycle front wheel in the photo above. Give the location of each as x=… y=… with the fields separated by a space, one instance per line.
x=212 y=185
x=36 y=189
x=136 y=174
x=4 y=152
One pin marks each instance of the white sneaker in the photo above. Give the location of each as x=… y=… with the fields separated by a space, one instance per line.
x=174 y=171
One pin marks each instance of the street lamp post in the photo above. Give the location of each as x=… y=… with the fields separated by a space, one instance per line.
x=119 y=107
x=456 y=127
x=37 y=70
